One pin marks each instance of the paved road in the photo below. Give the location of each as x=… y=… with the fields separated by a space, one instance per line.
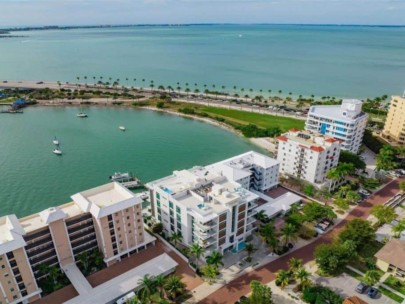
x=240 y=286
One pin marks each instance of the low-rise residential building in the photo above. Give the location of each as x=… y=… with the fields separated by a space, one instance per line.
x=204 y=207
x=345 y=122
x=394 y=128
x=391 y=257
x=307 y=155
x=107 y=218
x=254 y=171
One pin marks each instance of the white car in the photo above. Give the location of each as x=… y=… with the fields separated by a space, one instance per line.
x=364 y=192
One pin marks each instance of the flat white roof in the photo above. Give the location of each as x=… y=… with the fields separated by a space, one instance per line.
x=282 y=203
x=246 y=160
x=106 y=199
x=11 y=234
x=126 y=282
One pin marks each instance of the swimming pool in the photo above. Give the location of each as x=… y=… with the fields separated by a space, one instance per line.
x=241 y=246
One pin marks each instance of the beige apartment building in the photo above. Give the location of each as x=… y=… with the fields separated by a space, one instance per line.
x=394 y=128
x=108 y=217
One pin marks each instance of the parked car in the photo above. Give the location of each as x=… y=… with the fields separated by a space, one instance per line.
x=372 y=292
x=361 y=287
x=323 y=225
x=363 y=192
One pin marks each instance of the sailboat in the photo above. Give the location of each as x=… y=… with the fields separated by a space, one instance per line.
x=57 y=150
x=122 y=128
x=55 y=141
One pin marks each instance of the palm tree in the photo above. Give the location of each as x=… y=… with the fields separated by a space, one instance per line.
x=197 y=251
x=303 y=277
x=215 y=259
x=176 y=238
x=397 y=229
x=174 y=287
x=372 y=277
x=210 y=272
x=83 y=259
x=283 y=278
x=294 y=264
x=160 y=285
x=148 y=288
x=268 y=234
x=250 y=249
x=289 y=233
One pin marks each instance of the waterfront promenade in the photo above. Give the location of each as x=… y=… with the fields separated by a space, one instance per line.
x=211 y=100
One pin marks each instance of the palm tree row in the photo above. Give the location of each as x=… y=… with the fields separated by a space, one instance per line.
x=235 y=90
x=295 y=272
x=159 y=290
x=273 y=239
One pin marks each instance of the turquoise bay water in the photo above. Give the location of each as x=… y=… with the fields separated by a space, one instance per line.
x=32 y=178
x=339 y=61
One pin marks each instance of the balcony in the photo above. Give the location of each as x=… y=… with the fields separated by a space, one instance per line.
x=205 y=226
x=251 y=213
x=252 y=205
x=81 y=219
x=204 y=235
x=41 y=259
x=81 y=234
x=207 y=243
x=85 y=246
x=38 y=243
x=37 y=251
x=36 y=235
x=80 y=227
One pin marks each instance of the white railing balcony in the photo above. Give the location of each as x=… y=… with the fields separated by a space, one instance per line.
x=205 y=226
x=252 y=205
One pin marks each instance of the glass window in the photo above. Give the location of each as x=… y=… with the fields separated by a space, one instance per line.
x=178 y=209
x=170 y=205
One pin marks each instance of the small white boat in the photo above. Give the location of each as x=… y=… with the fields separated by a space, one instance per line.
x=81 y=115
x=118 y=176
x=57 y=151
x=122 y=128
x=55 y=141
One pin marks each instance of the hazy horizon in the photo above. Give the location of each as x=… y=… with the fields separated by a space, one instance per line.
x=119 y=12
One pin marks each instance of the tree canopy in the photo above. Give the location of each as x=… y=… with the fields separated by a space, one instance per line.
x=384 y=214
x=359 y=231
x=386 y=158
x=349 y=157
x=314 y=211
x=261 y=294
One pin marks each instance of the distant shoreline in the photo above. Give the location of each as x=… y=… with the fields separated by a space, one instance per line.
x=71 y=27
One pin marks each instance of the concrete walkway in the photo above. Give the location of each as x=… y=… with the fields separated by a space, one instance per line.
x=77 y=279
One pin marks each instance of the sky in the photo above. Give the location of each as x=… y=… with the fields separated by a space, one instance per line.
x=95 y=12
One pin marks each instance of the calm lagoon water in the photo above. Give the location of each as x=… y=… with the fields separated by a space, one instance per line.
x=32 y=178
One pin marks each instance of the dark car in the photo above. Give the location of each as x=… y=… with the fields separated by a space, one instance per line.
x=372 y=292
x=361 y=287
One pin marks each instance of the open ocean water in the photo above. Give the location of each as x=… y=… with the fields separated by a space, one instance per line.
x=342 y=61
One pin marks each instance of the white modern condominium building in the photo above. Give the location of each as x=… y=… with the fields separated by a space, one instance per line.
x=206 y=207
x=346 y=122
x=307 y=155
x=254 y=171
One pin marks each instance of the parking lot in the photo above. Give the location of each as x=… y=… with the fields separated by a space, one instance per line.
x=345 y=286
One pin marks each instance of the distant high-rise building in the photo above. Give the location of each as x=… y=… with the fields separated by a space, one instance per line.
x=345 y=122
x=394 y=128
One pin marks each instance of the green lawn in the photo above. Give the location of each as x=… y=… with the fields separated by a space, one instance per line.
x=396 y=284
x=261 y=120
x=391 y=295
